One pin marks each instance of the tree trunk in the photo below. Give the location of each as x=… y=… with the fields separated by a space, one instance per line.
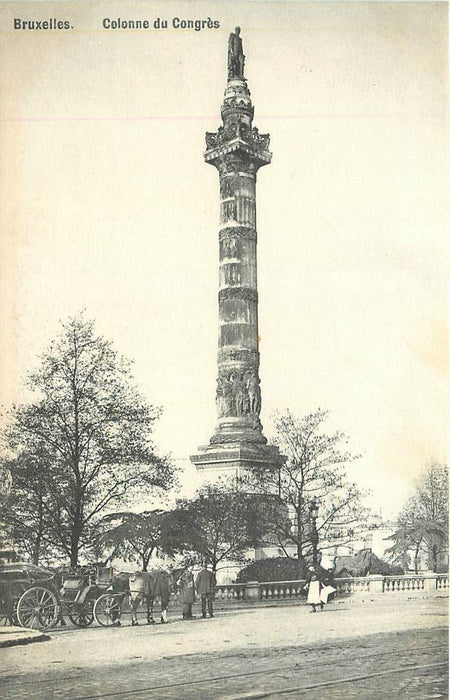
x=416 y=562
x=146 y=558
x=434 y=561
x=301 y=564
x=36 y=551
x=74 y=547
x=37 y=544
x=73 y=557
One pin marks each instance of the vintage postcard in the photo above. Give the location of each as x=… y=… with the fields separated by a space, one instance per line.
x=223 y=320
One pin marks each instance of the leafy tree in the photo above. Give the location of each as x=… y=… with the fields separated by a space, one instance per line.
x=27 y=512
x=5 y=485
x=88 y=434
x=423 y=522
x=221 y=523
x=133 y=536
x=314 y=469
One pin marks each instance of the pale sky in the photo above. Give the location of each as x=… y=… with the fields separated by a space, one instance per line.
x=106 y=204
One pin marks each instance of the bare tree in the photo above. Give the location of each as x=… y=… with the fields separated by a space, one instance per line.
x=314 y=470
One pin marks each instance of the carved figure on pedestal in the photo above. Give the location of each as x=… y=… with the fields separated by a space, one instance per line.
x=239 y=394
x=220 y=403
x=225 y=398
x=254 y=393
x=236 y=56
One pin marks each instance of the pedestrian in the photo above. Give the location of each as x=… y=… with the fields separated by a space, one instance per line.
x=205 y=584
x=328 y=591
x=314 y=586
x=187 y=593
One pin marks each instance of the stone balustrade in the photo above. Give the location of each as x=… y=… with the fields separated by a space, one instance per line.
x=286 y=590
x=281 y=589
x=231 y=591
x=442 y=581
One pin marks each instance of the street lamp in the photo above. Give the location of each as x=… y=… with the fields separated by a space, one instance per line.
x=313 y=513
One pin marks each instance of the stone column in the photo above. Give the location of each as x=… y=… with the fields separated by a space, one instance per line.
x=237 y=151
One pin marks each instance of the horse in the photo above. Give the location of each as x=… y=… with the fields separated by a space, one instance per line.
x=150 y=585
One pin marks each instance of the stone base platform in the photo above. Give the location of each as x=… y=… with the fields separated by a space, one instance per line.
x=234 y=459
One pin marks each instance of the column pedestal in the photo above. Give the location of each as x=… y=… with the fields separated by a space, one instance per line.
x=232 y=460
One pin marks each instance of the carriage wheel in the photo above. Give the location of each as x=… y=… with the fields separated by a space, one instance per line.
x=83 y=615
x=107 y=610
x=38 y=609
x=9 y=601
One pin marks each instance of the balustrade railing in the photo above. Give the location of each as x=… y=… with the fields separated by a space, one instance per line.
x=278 y=590
x=346 y=586
x=288 y=590
x=405 y=583
x=442 y=581
x=230 y=591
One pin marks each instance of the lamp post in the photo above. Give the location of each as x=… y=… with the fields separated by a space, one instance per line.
x=313 y=513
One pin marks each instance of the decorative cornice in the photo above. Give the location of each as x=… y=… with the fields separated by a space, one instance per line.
x=238 y=293
x=227 y=135
x=241 y=173
x=243 y=355
x=247 y=436
x=238 y=145
x=237 y=104
x=237 y=232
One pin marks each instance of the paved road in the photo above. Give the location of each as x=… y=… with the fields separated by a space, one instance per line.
x=381 y=649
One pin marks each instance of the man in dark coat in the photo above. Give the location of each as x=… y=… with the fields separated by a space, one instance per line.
x=187 y=593
x=205 y=585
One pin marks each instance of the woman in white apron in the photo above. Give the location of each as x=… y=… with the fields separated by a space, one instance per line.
x=317 y=592
x=314 y=588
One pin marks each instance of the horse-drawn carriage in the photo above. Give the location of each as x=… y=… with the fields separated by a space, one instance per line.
x=28 y=596
x=37 y=598
x=80 y=589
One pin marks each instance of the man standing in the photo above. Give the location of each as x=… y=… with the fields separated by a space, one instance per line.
x=187 y=593
x=205 y=585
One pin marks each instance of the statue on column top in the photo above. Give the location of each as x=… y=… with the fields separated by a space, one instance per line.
x=235 y=55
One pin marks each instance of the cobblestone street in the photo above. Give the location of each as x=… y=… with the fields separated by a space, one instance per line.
x=385 y=648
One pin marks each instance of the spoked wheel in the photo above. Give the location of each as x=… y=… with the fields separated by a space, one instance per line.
x=38 y=609
x=8 y=602
x=83 y=615
x=107 y=610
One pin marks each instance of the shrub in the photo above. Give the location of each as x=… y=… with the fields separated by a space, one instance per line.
x=271 y=569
